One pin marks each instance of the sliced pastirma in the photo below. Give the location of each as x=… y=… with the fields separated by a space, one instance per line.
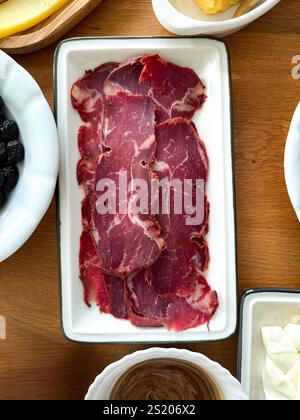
x=149 y=262
x=125 y=240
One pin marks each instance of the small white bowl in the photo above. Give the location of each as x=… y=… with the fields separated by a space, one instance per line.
x=104 y=383
x=292 y=162
x=31 y=198
x=261 y=308
x=187 y=19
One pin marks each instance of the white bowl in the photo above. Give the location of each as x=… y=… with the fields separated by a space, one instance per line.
x=261 y=308
x=209 y=58
x=187 y=19
x=229 y=386
x=292 y=162
x=30 y=199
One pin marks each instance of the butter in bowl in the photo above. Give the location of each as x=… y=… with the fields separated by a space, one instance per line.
x=209 y=17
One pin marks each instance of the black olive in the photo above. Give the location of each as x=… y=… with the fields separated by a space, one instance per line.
x=2 y=179
x=11 y=175
x=2 y=198
x=3 y=154
x=15 y=151
x=1 y=103
x=8 y=131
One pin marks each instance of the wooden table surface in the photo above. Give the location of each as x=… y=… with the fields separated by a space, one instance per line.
x=36 y=361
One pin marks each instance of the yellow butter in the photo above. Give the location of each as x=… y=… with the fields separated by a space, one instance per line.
x=19 y=15
x=215 y=6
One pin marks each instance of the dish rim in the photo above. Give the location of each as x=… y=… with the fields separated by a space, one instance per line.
x=58 y=220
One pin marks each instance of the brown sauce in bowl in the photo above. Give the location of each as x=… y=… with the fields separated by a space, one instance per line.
x=165 y=380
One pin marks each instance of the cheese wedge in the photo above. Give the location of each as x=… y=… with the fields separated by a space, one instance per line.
x=215 y=6
x=19 y=15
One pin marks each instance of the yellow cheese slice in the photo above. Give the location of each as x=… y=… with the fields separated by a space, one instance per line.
x=215 y=6
x=19 y=15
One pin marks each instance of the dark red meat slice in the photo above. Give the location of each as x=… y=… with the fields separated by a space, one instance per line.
x=177 y=91
x=91 y=274
x=89 y=144
x=126 y=78
x=87 y=93
x=194 y=311
x=143 y=322
x=143 y=300
x=116 y=294
x=86 y=214
x=86 y=170
x=126 y=242
x=180 y=155
x=177 y=315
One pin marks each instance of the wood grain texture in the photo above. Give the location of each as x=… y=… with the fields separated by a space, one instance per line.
x=36 y=361
x=50 y=30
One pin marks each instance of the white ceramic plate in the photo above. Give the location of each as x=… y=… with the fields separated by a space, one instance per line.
x=210 y=60
x=104 y=383
x=183 y=17
x=261 y=308
x=30 y=200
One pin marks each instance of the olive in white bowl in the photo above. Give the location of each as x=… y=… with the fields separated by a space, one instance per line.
x=12 y=152
x=32 y=180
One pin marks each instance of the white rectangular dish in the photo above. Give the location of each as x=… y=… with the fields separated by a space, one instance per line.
x=209 y=58
x=261 y=308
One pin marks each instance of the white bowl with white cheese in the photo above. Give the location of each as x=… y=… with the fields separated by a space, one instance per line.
x=263 y=346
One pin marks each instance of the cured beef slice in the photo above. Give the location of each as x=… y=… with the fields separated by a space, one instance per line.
x=126 y=242
x=88 y=99
x=110 y=292
x=91 y=274
x=177 y=315
x=143 y=300
x=182 y=314
x=180 y=155
x=177 y=91
x=87 y=93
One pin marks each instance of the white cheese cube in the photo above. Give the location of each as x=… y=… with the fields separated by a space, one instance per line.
x=279 y=348
x=277 y=386
x=293 y=332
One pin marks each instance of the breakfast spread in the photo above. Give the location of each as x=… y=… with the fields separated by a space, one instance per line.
x=165 y=380
x=138 y=122
x=281 y=374
x=19 y=15
x=144 y=260
x=11 y=153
